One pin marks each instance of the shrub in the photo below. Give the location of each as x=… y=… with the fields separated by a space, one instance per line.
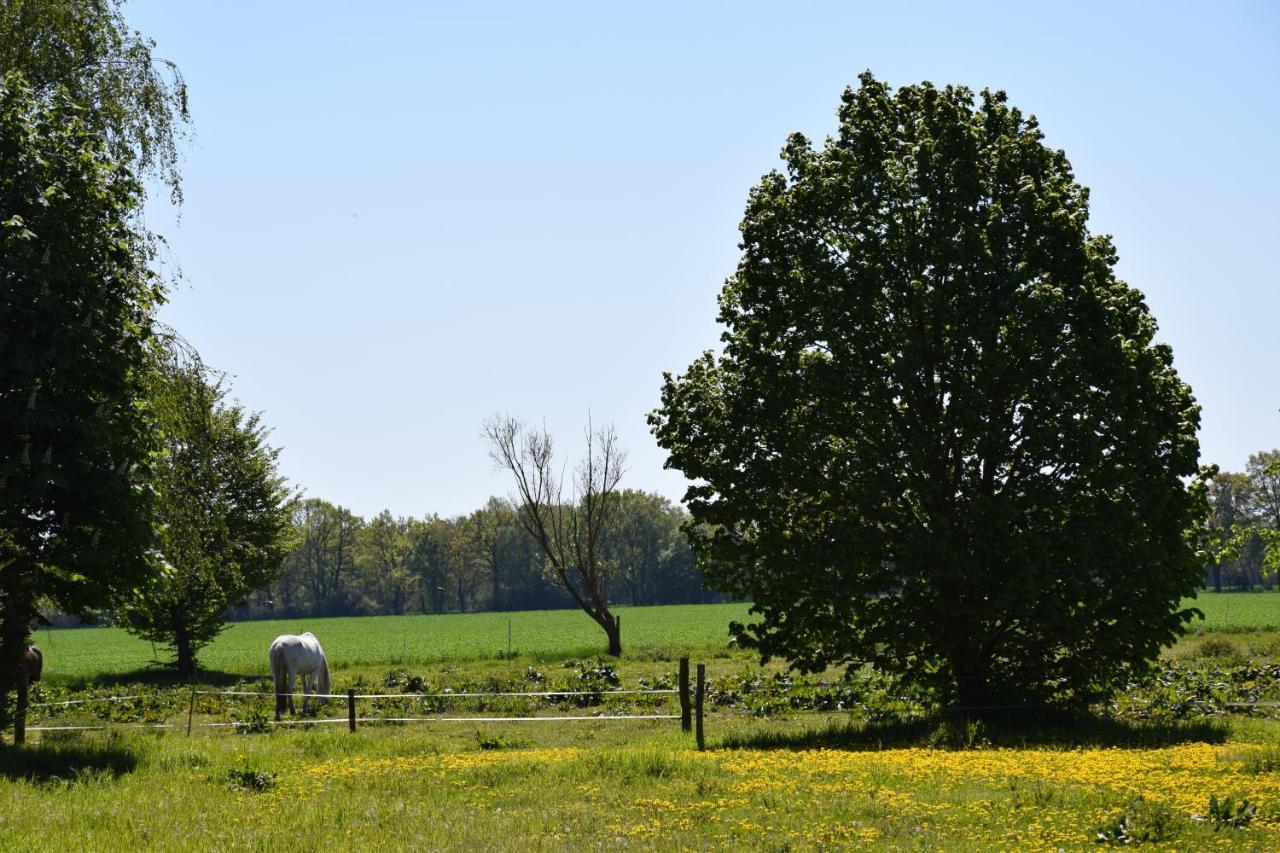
x=245 y=779
x=1219 y=648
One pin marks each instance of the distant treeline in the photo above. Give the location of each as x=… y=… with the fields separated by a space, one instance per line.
x=344 y=565
x=1246 y=519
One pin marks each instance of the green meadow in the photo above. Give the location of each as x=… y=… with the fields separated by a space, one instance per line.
x=806 y=763
x=85 y=654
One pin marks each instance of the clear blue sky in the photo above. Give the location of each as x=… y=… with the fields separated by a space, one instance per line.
x=403 y=217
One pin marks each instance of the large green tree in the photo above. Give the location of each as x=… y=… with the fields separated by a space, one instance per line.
x=76 y=300
x=941 y=437
x=224 y=512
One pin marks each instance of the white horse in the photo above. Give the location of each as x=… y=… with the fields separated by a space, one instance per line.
x=299 y=655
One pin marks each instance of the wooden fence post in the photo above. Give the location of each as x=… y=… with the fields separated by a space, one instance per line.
x=351 y=708
x=700 y=697
x=686 y=707
x=20 y=718
x=191 y=709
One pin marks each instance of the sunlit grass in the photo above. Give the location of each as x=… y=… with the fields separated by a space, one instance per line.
x=86 y=653
x=665 y=632
x=638 y=784
x=794 y=780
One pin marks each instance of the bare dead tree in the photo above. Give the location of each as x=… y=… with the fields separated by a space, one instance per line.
x=569 y=532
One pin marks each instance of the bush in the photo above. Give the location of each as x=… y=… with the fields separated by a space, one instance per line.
x=1219 y=649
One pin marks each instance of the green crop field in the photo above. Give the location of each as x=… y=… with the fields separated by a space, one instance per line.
x=83 y=654
x=1239 y=611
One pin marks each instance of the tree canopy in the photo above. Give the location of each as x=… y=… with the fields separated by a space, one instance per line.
x=941 y=437
x=136 y=100
x=75 y=337
x=224 y=512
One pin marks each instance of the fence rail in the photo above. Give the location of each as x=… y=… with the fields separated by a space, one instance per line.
x=688 y=706
x=445 y=694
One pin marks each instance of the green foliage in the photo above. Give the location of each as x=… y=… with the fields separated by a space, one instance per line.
x=253 y=719
x=1242 y=537
x=136 y=101
x=245 y=779
x=224 y=512
x=958 y=733
x=75 y=330
x=941 y=437
x=494 y=740
x=591 y=679
x=1224 y=814
x=654 y=562
x=321 y=570
x=1220 y=648
x=1263 y=761
x=1142 y=822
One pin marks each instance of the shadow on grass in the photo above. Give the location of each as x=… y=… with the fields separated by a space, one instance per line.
x=1061 y=730
x=153 y=677
x=65 y=762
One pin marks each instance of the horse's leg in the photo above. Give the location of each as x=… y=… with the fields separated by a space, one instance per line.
x=306 y=679
x=289 y=683
x=277 y=679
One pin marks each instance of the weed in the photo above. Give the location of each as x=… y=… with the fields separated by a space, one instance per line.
x=492 y=740
x=1224 y=814
x=253 y=720
x=1141 y=822
x=245 y=779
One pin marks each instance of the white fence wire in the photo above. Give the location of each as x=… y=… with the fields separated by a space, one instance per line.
x=448 y=694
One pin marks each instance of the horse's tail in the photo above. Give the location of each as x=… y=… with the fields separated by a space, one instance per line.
x=324 y=684
x=280 y=674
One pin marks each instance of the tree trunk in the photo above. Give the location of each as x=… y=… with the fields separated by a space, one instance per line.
x=613 y=630
x=17 y=612
x=973 y=680
x=186 y=653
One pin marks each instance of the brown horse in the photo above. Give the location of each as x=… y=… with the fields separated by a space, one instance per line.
x=32 y=662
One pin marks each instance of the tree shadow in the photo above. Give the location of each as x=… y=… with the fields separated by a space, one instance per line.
x=65 y=762
x=1023 y=730
x=155 y=677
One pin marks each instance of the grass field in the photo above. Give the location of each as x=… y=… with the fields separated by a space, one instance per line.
x=600 y=786
x=83 y=654
x=784 y=769
x=1239 y=611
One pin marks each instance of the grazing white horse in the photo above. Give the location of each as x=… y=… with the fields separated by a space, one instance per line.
x=299 y=655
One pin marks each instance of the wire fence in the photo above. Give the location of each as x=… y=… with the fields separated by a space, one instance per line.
x=470 y=694
x=688 y=705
